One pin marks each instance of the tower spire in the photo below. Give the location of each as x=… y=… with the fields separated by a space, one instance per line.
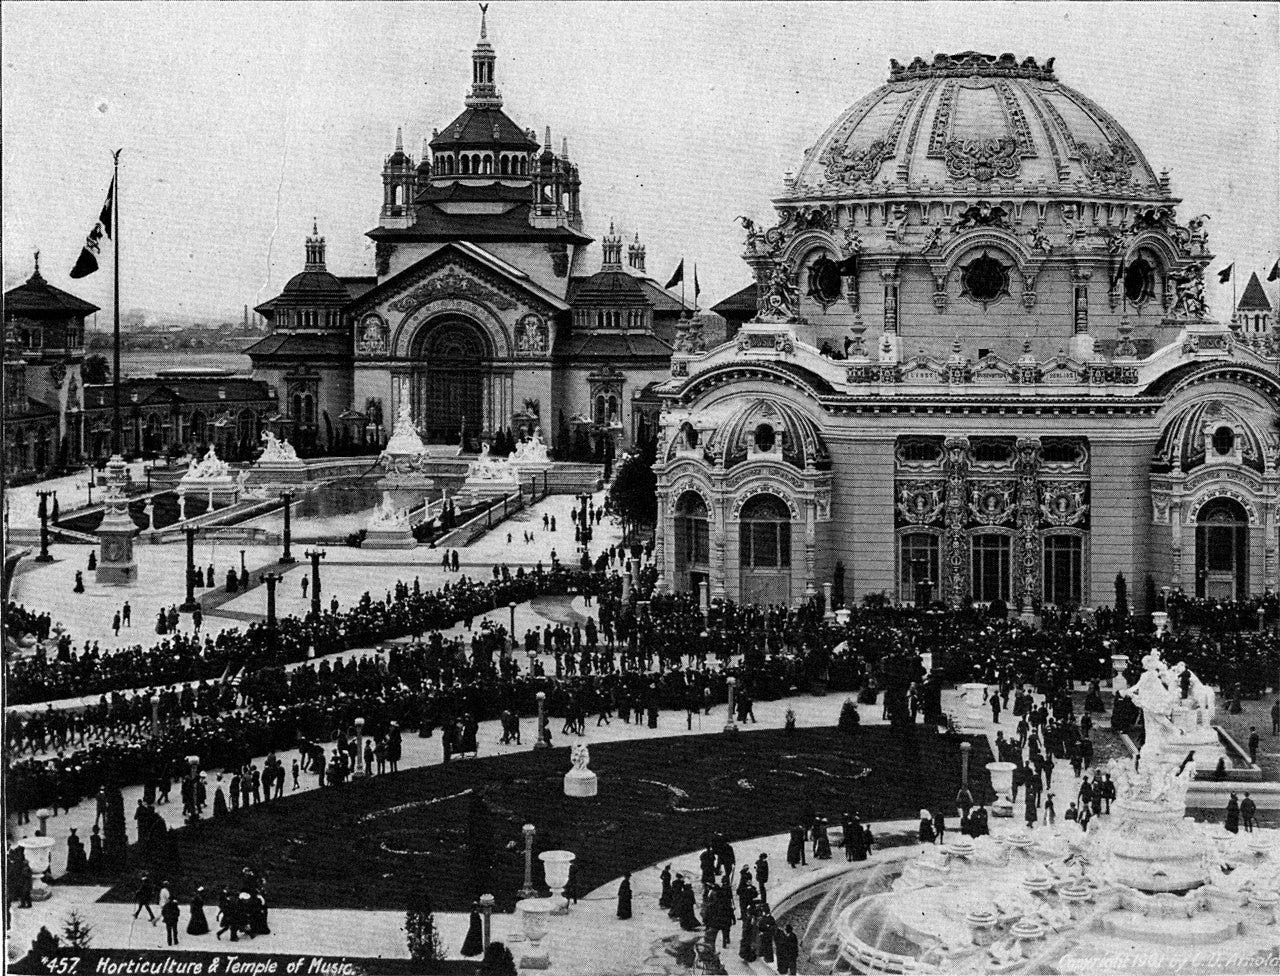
x=611 y=251
x=315 y=248
x=484 y=90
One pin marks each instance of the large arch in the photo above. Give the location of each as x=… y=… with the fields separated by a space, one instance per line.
x=765 y=548
x=450 y=380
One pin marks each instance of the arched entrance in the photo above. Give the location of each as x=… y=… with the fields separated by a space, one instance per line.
x=693 y=543
x=452 y=363
x=1222 y=550
x=764 y=551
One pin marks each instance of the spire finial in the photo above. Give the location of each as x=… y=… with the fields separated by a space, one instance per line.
x=399 y=139
x=547 y=144
x=484 y=29
x=315 y=227
x=37 y=273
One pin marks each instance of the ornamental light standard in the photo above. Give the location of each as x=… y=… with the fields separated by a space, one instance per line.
x=287 y=556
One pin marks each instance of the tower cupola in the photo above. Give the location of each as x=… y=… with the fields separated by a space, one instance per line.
x=611 y=251
x=635 y=255
x=484 y=91
x=315 y=249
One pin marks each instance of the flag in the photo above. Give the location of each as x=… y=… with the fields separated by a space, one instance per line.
x=87 y=263
x=1225 y=274
x=677 y=276
x=696 y=287
x=1275 y=272
x=848 y=266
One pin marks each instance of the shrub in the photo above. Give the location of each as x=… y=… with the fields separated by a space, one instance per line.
x=849 y=718
x=77 y=934
x=421 y=933
x=497 y=961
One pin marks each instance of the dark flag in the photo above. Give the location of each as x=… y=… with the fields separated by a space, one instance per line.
x=87 y=263
x=848 y=266
x=696 y=287
x=677 y=276
x=1225 y=274
x=1275 y=272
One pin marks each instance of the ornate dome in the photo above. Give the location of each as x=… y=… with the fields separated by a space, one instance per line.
x=970 y=121
x=769 y=428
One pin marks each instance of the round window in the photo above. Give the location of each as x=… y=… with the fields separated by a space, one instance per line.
x=765 y=438
x=985 y=279
x=1224 y=440
x=824 y=280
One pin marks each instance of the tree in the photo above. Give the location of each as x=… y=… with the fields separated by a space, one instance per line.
x=634 y=492
x=425 y=944
x=95 y=369
x=1122 y=596
x=77 y=934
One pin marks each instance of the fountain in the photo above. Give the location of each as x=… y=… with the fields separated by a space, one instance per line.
x=278 y=465
x=530 y=455
x=212 y=477
x=1145 y=879
x=403 y=462
x=389 y=527
x=489 y=478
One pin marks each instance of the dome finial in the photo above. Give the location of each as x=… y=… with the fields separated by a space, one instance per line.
x=36 y=273
x=484 y=13
x=399 y=139
x=484 y=88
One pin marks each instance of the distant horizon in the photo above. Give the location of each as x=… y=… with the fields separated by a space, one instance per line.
x=244 y=122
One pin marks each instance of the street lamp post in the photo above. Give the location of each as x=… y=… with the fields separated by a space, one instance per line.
x=190 y=603
x=287 y=556
x=512 y=608
x=541 y=743
x=243 y=575
x=44 y=556
x=486 y=909
x=271 y=579
x=315 y=555
x=528 y=891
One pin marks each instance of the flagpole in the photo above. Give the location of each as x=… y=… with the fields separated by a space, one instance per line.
x=117 y=432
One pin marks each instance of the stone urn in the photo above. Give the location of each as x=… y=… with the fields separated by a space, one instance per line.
x=1160 y=621
x=38 y=852
x=1002 y=782
x=975 y=713
x=555 y=866
x=533 y=920
x=1118 y=663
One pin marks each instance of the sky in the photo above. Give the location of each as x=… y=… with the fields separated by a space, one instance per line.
x=240 y=122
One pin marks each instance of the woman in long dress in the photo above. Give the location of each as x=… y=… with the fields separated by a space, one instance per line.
x=197 y=924
x=624 y=897
x=664 y=901
x=473 y=944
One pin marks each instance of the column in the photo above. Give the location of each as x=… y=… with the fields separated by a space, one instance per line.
x=717 y=525
x=1175 y=544
x=1027 y=546
x=810 y=545
x=955 y=580
x=660 y=543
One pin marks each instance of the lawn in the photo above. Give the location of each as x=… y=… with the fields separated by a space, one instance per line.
x=372 y=845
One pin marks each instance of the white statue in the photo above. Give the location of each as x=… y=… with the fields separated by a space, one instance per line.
x=488 y=468
x=209 y=468
x=1154 y=695
x=405 y=451
x=579 y=757
x=275 y=449
x=531 y=450
x=387 y=516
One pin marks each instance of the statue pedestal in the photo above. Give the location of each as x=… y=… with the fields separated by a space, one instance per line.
x=116 y=565
x=389 y=537
x=580 y=783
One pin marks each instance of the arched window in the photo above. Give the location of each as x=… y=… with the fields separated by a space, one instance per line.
x=693 y=546
x=504 y=165
x=198 y=421
x=1224 y=441
x=689 y=434
x=486 y=164
x=524 y=166
x=466 y=165
x=765 y=438
x=1139 y=281
x=600 y=414
x=990 y=564
x=764 y=536
x=1222 y=550
x=985 y=279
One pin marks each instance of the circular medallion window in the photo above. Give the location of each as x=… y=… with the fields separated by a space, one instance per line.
x=824 y=281
x=1139 y=281
x=985 y=279
x=765 y=438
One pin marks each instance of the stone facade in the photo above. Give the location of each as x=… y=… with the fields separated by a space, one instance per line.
x=981 y=362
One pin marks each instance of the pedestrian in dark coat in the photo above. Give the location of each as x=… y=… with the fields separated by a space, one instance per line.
x=197 y=924
x=1233 y=815
x=664 y=901
x=170 y=912
x=624 y=897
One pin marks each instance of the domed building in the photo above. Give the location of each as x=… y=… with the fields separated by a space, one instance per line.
x=482 y=313
x=981 y=368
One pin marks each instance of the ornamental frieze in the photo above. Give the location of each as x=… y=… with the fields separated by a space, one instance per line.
x=921 y=502
x=1062 y=502
x=531 y=335
x=1110 y=165
x=372 y=336
x=451 y=284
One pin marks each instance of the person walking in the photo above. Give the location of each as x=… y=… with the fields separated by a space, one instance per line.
x=1248 y=811
x=624 y=897
x=144 y=896
x=1233 y=815
x=170 y=912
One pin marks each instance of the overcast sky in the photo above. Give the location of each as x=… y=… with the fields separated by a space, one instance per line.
x=240 y=121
